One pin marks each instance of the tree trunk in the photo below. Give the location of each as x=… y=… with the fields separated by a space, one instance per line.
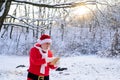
x=4 y=9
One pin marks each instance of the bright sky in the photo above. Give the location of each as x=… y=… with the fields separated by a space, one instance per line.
x=85 y=11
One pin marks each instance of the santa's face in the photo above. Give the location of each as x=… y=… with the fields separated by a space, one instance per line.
x=45 y=46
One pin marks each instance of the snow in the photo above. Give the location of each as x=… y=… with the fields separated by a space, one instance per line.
x=79 y=68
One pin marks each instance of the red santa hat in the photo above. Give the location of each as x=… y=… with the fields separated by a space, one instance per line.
x=44 y=39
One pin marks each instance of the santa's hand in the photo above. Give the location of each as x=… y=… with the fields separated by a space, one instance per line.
x=54 y=61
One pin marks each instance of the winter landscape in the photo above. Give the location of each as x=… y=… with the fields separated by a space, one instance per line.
x=85 y=35
x=78 y=68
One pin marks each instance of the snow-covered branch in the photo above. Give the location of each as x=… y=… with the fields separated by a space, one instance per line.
x=32 y=20
x=62 y=5
x=22 y=25
x=26 y=24
x=29 y=24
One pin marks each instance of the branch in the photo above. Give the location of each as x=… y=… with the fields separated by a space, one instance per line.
x=26 y=25
x=63 y=5
x=44 y=5
x=32 y=20
x=20 y=19
x=21 y=25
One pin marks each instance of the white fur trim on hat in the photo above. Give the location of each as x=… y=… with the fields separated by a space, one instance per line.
x=44 y=41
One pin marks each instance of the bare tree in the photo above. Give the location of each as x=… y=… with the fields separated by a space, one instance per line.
x=4 y=9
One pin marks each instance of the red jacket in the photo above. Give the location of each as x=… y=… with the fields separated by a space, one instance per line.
x=36 y=61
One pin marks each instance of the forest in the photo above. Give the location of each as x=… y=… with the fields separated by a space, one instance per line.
x=76 y=26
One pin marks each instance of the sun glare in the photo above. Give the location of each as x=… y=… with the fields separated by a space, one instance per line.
x=85 y=11
x=81 y=10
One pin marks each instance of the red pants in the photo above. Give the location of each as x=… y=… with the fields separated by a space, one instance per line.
x=29 y=79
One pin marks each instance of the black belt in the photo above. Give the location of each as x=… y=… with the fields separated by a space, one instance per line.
x=36 y=77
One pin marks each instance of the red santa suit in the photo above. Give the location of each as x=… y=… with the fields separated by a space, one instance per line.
x=40 y=61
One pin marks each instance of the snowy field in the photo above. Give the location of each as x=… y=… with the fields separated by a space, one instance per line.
x=79 y=68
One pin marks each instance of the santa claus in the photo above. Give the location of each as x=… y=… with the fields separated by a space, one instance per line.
x=41 y=59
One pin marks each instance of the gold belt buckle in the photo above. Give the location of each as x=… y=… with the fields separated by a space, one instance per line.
x=40 y=77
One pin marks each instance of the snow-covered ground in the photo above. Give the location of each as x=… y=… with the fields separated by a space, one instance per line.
x=79 y=68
